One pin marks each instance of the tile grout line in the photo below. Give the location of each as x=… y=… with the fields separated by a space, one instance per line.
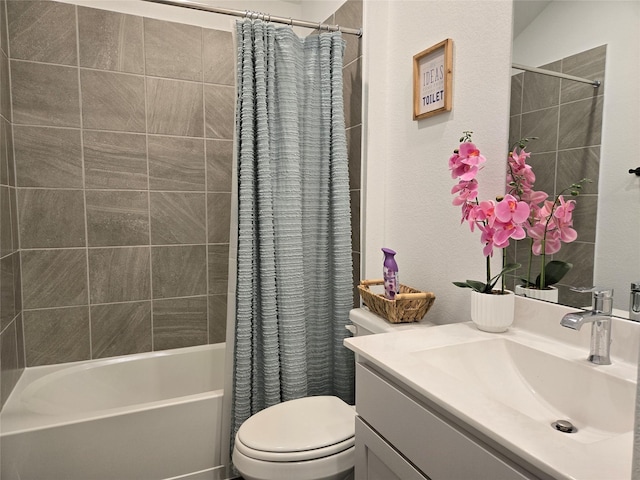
x=206 y=189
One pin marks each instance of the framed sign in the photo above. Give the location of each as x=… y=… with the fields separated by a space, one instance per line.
x=432 y=75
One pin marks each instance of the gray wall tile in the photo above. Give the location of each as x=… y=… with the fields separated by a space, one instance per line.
x=179 y=271
x=544 y=167
x=544 y=125
x=45 y=94
x=119 y=274
x=120 y=329
x=51 y=218
x=52 y=23
x=354 y=199
x=354 y=150
x=6 y=152
x=574 y=131
x=181 y=43
x=110 y=40
x=177 y=217
x=218 y=57
x=5 y=92
x=6 y=224
x=218 y=263
x=56 y=335
x=516 y=94
x=117 y=218
x=112 y=101
x=174 y=107
x=4 y=36
x=176 y=163
x=179 y=322
x=9 y=366
x=352 y=88
x=588 y=64
x=350 y=14
x=7 y=294
x=576 y=164
x=219 y=213
x=54 y=278
x=219 y=163
x=219 y=104
x=541 y=91
x=115 y=160
x=48 y=157
x=217 y=318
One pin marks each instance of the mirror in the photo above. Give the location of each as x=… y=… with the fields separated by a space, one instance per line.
x=606 y=44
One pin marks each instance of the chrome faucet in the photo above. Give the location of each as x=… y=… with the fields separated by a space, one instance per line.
x=600 y=318
x=634 y=302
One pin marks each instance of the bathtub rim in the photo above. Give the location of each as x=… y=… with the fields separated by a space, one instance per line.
x=14 y=419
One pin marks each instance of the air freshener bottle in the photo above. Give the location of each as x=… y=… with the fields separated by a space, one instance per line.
x=390 y=274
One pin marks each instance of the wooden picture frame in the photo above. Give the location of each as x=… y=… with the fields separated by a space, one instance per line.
x=432 y=80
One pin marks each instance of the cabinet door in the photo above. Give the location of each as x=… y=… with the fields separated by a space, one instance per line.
x=377 y=460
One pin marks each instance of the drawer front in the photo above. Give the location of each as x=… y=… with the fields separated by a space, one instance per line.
x=437 y=448
x=377 y=460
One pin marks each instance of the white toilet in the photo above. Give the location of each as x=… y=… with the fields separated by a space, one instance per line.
x=309 y=438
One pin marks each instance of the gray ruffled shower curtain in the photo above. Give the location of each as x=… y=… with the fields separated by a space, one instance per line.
x=294 y=267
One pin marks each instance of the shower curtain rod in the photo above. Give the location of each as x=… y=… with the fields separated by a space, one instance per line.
x=594 y=83
x=259 y=16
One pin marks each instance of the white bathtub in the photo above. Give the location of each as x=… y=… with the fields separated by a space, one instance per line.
x=148 y=416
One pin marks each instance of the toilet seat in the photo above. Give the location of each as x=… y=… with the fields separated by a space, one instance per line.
x=297 y=430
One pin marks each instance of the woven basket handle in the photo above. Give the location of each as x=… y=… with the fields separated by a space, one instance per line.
x=366 y=283
x=412 y=296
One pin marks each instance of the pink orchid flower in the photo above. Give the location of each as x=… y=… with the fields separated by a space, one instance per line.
x=466 y=190
x=509 y=209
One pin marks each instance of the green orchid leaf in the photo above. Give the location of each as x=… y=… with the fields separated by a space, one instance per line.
x=554 y=271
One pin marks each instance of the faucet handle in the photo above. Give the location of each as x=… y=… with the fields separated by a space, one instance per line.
x=602 y=298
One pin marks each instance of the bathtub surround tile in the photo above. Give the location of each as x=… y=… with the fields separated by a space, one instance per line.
x=5 y=92
x=576 y=164
x=354 y=197
x=544 y=167
x=179 y=322
x=110 y=40
x=112 y=101
x=120 y=329
x=354 y=152
x=585 y=211
x=219 y=164
x=54 y=278
x=48 y=157
x=218 y=262
x=5 y=133
x=179 y=271
x=114 y=160
x=174 y=107
x=119 y=274
x=17 y=282
x=52 y=23
x=7 y=294
x=6 y=223
x=217 y=318
x=350 y=13
x=219 y=101
x=56 y=335
x=588 y=64
x=176 y=163
x=218 y=57
x=117 y=218
x=516 y=94
x=219 y=213
x=352 y=93
x=177 y=218
x=541 y=91
x=45 y=94
x=51 y=218
x=9 y=367
x=182 y=43
x=574 y=131
x=544 y=125
x=4 y=36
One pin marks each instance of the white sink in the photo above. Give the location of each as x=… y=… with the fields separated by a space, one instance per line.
x=543 y=386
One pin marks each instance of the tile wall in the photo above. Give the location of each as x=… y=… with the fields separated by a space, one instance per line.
x=11 y=339
x=567 y=118
x=119 y=191
x=122 y=130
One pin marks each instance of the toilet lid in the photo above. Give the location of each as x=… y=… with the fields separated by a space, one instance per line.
x=299 y=425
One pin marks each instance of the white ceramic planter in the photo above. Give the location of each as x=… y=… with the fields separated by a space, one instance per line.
x=550 y=294
x=492 y=313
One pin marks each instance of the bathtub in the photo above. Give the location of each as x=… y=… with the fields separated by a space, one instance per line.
x=146 y=416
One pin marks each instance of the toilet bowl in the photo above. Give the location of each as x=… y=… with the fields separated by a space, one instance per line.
x=309 y=438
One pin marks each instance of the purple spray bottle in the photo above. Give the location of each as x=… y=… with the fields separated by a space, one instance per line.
x=390 y=274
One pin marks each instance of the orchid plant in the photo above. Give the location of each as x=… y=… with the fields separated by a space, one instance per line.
x=550 y=222
x=498 y=221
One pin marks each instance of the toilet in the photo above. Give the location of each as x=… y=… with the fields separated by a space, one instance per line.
x=309 y=438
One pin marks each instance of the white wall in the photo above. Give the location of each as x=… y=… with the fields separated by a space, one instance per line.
x=407 y=182
x=614 y=23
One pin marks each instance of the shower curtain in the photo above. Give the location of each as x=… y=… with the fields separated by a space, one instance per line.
x=294 y=267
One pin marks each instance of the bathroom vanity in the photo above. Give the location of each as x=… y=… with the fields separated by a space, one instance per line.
x=451 y=402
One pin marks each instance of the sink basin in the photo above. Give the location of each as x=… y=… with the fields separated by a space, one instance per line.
x=540 y=385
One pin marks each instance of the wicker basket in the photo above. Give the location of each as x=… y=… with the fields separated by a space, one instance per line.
x=410 y=305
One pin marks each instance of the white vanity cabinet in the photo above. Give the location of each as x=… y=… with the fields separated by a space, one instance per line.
x=400 y=437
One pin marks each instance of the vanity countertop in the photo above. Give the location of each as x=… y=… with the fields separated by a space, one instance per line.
x=507 y=410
